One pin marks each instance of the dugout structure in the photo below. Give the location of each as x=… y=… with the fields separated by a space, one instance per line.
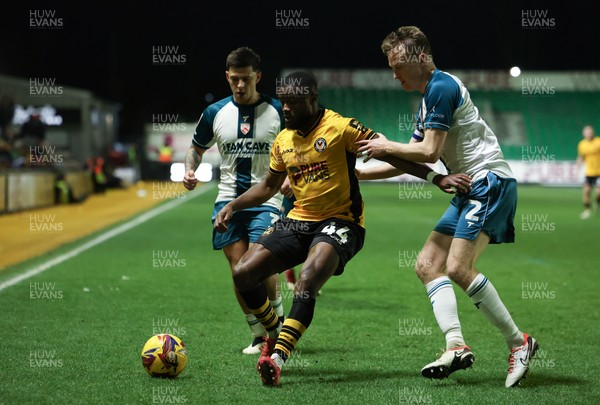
x=79 y=126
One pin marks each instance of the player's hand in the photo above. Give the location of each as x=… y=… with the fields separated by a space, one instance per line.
x=373 y=148
x=452 y=183
x=190 y=180
x=223 y=218
x=286 y=188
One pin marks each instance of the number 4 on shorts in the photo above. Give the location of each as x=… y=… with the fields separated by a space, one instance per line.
x=341 y=233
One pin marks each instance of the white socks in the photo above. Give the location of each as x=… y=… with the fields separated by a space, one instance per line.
x=443 y=301
x=256 y=327
x=277 y=305
x=486 y=299
x=278 y=360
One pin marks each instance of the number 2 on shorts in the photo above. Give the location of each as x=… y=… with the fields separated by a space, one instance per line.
x=470 y=216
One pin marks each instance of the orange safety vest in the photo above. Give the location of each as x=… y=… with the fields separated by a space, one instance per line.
x=165 y=154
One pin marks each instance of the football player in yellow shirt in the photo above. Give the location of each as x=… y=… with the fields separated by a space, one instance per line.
x=588 y=152
x=324 y=229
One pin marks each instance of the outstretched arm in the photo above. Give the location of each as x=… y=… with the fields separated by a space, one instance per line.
x=254 y=196
x=404 y=158
x=394 y=166
x=447 y=183
x=428 y=150
x=382 y=171
x=416 y=169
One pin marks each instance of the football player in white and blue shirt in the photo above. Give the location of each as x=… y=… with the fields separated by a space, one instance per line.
x=450 y=128
x=243 y=126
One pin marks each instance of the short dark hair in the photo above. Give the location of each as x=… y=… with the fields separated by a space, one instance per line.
x=297 y=84
x=243 y=57
x=303 y=78
x=411 y=37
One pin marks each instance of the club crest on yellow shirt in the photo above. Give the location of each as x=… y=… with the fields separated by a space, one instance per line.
x=320 y=144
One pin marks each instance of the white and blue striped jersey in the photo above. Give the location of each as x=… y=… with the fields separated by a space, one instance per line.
x=244 y=135
x=471 y=146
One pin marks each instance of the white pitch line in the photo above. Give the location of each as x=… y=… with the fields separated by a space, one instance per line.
x=103 y=237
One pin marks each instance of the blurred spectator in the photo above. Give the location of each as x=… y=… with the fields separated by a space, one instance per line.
x=33 y=131
x=102 y=175
x=98 y=175
x=132 y=155
x=63 y=192
x=165 y=152
x=7 y=111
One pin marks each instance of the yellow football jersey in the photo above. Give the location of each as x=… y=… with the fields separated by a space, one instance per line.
x=590 y=152
x=320 y=166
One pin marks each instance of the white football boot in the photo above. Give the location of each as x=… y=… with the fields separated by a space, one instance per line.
x=452 y=360
x=256 y=346
x=519 y=360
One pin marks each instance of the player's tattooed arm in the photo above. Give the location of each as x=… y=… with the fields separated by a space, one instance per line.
x=193 y=158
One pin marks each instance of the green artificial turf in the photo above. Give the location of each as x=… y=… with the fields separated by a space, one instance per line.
x=78 y=340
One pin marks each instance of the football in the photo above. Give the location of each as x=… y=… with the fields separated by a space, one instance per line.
x=164 y=355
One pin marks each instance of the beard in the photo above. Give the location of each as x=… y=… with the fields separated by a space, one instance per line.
x=297 y=121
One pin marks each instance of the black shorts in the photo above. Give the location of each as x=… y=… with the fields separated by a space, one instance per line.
x=290 y=240
x=592 y=181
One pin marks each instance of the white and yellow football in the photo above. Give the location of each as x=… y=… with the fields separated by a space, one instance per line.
x=164 y=355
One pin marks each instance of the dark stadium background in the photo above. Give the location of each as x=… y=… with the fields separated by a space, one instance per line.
x=107 y=47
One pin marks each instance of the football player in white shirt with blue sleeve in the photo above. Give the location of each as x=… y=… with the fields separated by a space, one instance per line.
x=450 y=128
